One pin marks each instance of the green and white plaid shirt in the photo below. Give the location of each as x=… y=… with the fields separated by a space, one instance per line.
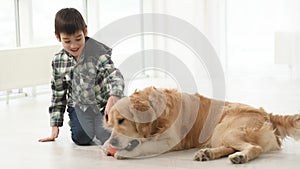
x=86 y=83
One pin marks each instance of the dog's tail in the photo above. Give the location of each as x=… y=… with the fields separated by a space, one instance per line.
x=286 y=125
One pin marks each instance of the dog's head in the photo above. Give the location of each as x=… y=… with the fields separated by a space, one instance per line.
x=141 y=115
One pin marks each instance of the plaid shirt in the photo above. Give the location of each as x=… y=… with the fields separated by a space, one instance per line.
x=86 y=83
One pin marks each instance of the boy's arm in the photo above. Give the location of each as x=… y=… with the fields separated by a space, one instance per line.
x=58 y=101
x=112 y=77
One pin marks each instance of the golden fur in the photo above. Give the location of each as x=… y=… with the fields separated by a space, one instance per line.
x=154 y=121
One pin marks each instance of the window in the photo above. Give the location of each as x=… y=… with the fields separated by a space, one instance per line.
x=43 y=14
x=7 y=24
x=103 y=12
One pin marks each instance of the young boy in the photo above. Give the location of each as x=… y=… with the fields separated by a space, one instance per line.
x=84 y=79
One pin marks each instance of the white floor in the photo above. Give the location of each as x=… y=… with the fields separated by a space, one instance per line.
x=24 y=120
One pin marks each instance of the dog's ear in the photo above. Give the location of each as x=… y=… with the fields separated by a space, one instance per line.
x=158 y=101
x=152 y=128
x=144 y=129
x=143 y=116
x=146 y=107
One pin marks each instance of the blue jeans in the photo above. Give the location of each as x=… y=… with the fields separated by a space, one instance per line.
x=86 y=125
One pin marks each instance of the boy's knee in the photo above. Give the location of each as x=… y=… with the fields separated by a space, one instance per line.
x=81 y=138
x=103 y=136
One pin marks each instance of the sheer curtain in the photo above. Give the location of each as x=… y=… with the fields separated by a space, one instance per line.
x=242 y=32
x=206 y=16
x=252 y=26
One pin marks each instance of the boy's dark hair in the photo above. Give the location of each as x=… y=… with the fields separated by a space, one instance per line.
x=69 y=21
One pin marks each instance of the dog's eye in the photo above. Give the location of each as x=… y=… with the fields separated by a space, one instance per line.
x=106 y=117
x=120 y=121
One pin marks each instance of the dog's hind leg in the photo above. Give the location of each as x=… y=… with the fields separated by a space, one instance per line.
x=212 y=153
x=246 y=153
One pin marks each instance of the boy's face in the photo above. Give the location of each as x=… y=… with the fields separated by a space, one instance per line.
x=73 y=43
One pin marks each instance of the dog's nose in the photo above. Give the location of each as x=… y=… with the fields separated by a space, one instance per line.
x=114 y=142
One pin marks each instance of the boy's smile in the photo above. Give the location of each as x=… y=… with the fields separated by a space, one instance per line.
x=73 y=43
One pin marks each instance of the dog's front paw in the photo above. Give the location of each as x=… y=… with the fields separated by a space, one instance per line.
x=121 y=154
x=131 y=151
x=203 y=155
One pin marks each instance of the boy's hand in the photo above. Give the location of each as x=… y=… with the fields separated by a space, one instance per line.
x=54 y=135
x=110 y=102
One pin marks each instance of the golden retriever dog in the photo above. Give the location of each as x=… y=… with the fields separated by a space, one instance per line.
x=154 y=121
